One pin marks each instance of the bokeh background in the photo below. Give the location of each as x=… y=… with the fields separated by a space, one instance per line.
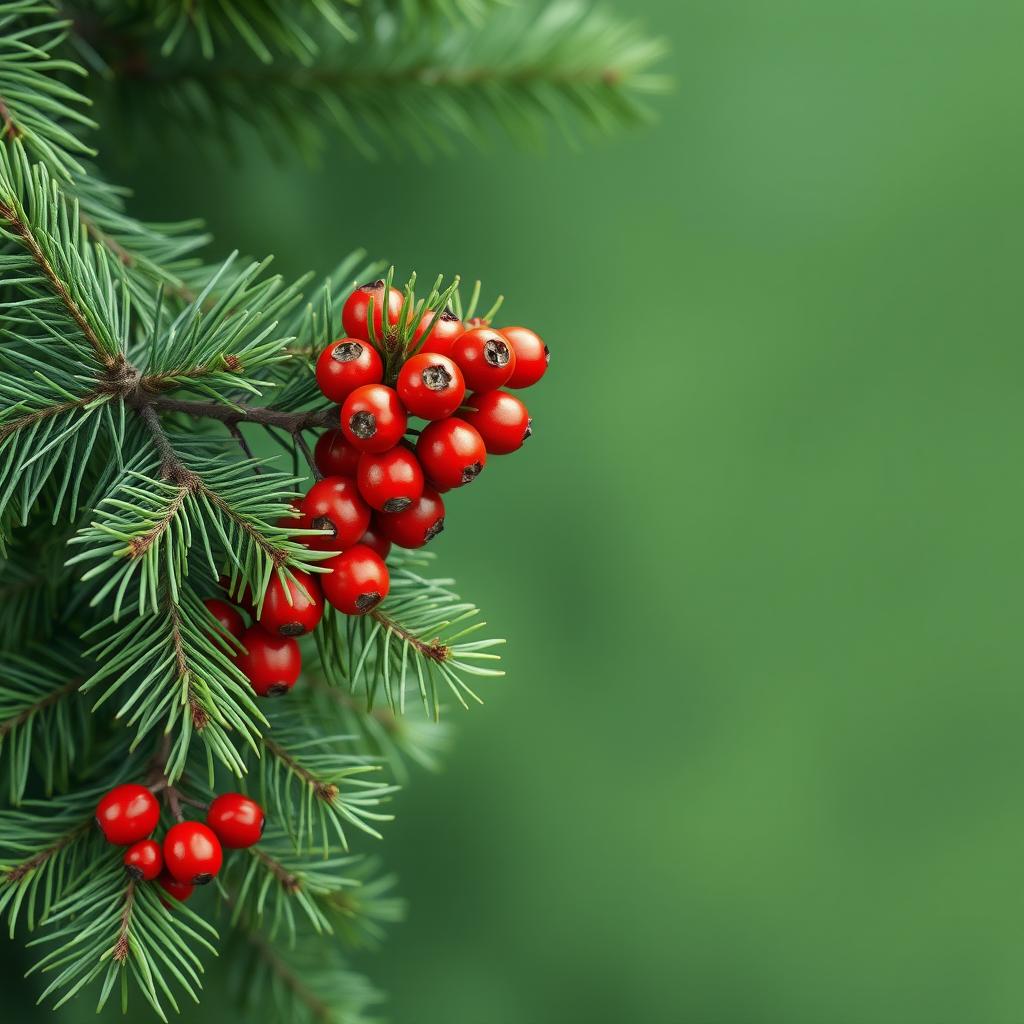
x=758 y=756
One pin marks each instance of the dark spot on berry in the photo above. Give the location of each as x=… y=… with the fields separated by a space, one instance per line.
x=436 y=377
x=471 y=472
x=291 y=629
x=364 y=602
x=529 y=429
x=371 y=286
x=496 y=352
x=135 y=871
x=363 y=425
x=325 y=523
x=203 y=879
x=347 y=352
x=263 y=825
x=277 y=689
x=547 y=356
x=434 y=530
x=396 y=504
x=447 y=314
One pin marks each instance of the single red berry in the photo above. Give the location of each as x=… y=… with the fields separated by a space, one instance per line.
x=373 y=418
x=501 y=419
x=192 y=852
x=358 y=580
x=447 y=328
x=237 y=820
x=345 y=365
x=532 y=356
x=485 y=358
x=303 y=612
x=144 y=861
x=421 y=522
x=451 y=452
x=179 y=890
x=226 y=615
x=334 y=504
x=430 y=386
x=375 y=539
x=334 y=456
x=271 y=663
x=390 y=481
x=354 y=313
x=127 y=814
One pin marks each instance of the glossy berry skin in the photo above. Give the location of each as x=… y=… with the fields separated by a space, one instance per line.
x=226 y=615
x=192 y=852
x=373 y=419
x=358 y=580
x=421 y=522
x=354 y=313
x=451 y=452
x=334 y=504
x=299 y=617
x=390 y=481
x=237 y=820
x=271 y=663
x=532 y=356
x=179 y=890
x=334 y=456
x=375 y=539
x=501 y=420
x=144 y=861
x=345 y=365
x=445 y=331
x=486 y=359
x=127 y=814
x=431 y=386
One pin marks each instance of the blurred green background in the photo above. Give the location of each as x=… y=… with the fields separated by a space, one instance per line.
x=758 y=756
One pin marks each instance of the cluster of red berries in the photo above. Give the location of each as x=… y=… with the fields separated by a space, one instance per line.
x=191 y=853
x=377 y=488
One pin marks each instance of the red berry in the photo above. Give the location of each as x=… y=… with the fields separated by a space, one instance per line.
x=390 y=481
x=447 y=328
x=431 y=386
x=237 y=820
x=354 y=314
x=192 y=852
x=301 y=615
x=144 y=861
x=293 y=521
x=345 y=365
x=373 y=538
x=226 y=615
x=501 y=419
x=451 y=452
x=239 y=593
x=421 y=522
x=270 y=663
x=485 y=358
x=334 y=456
x=334 y=504
x=127 y=814
x=358 y=580
x=373 y=418
x=532 y=356
x=179 y=890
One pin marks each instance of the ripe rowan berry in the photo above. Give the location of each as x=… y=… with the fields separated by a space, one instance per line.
x=179 y=890
x=501 y=420
x=127 y=814
x=192 y=852
x=420 y=523
x=358 y=580
x=373 y=418
x=271 y=663
x=486 y=359
x=144 y=861
x=375 y=539
x=354 y=313
x=334 y=504
x=451 y=452
x=345 y=365
x=390 y=481
x=532 y=356
x=447 y=328
x=237 y=820
x=292 y=608
x=430 y=385
x=334 y=456
x=227 y=616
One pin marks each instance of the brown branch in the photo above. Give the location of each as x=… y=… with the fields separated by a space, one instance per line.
x=31 y=418
x=320 y=1010
x=326 y=791
x=23 y=232
x=288 y=881
x=41 y=705
x=8 y=127
x=436 y=651
x=292 y=422
x=19 y=871
x=121 y=949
